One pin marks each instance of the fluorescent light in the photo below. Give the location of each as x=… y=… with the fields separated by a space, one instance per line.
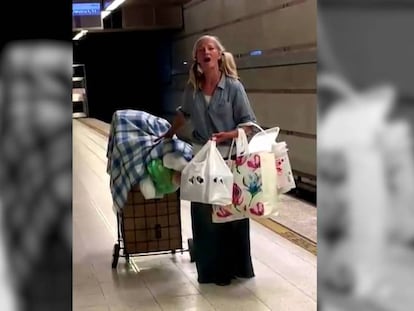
x=80 y=34
x=114 y=5
x=105 y=14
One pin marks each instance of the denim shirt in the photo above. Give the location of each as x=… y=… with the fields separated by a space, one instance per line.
x=228 y=107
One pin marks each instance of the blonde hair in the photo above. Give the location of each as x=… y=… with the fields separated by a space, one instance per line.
x=227 y=64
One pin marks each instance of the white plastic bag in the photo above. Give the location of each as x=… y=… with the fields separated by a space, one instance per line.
x=174 y=161
x=263 y=141
x=147 y=188
x=285 y=179
x=207 y=178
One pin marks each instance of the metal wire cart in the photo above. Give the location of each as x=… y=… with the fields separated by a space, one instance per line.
x=149 y=227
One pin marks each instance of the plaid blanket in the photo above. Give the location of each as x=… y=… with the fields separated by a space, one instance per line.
x=131 y=146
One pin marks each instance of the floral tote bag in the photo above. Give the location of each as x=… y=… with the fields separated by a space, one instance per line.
x=255 y=184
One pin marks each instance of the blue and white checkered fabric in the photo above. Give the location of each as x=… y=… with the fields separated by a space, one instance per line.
x=132 y=146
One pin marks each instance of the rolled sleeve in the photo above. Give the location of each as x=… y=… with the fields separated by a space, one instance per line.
x=242 y=110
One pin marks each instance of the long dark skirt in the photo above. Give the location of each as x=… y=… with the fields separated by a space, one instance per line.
x=221 y=251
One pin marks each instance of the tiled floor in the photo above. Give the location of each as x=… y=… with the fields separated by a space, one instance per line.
x=285 y=273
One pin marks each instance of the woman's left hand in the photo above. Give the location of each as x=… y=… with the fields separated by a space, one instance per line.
x=223 y=136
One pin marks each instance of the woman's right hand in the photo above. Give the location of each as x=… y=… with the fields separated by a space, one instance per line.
x=177 y=123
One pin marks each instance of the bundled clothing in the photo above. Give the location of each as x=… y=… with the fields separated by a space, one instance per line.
x=132 y=145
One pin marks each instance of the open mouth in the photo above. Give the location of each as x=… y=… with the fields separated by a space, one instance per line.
x=207 y=59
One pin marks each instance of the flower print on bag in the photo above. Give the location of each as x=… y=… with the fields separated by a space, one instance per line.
x=223 y=213
x=239 y=162
x=258 y=209
x=254 y=163
x=253 y=183
x=237 y=195
x=279 y=163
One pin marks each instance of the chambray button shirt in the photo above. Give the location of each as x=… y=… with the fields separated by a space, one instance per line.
x=228 y=107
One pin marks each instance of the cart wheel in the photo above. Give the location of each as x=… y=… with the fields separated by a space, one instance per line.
x=191 y=249
x=173 y=251
x=115 y=256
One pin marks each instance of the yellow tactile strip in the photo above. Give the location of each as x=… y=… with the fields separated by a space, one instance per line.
x=289 y=235
x=276 y=227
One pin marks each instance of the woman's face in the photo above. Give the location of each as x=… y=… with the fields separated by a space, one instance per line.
x=208 y=55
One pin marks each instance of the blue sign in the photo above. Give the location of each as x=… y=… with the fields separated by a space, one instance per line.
x=256 y=53
x=86 y=9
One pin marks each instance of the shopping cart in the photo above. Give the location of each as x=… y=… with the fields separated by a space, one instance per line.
x=149 y=227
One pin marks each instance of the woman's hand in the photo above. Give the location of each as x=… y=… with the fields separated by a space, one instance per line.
x=178 y=122
x=168 y=134
x=223 y=136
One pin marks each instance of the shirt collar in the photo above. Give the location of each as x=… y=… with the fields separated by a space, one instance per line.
x=222 y=82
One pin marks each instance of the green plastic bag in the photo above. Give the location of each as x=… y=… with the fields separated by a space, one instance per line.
x=161 y=176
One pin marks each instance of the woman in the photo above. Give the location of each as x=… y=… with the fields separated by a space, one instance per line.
x=216 y=104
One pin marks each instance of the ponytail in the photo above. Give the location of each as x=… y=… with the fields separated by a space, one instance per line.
x=228 y=65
